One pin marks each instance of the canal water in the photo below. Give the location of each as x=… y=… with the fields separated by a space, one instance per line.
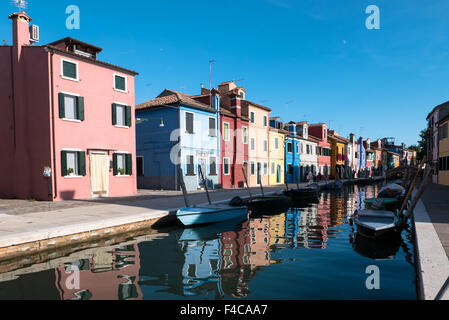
x=307 y=252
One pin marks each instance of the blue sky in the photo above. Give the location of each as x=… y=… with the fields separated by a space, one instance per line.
x=308 y=60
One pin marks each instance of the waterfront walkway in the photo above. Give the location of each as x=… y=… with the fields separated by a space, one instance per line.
x=432 y=232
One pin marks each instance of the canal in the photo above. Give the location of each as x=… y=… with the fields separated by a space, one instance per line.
x=307 y=252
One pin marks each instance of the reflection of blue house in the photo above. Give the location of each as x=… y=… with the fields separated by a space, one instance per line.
x=291 y=154
x=176 y=130
x=362 y=155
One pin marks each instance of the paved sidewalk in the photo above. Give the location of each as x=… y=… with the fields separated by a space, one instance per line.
x=34 y=226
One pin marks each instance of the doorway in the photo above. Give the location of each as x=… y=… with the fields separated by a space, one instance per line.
x=99 y=173
x=203 y=164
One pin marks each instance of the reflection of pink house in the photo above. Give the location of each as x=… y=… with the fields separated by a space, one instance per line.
x=104 y=276
x=63 y=109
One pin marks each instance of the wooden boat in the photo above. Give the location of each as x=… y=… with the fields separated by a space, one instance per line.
x=268 y=204
x=336 y=185
x=308 y=192
x=376 y=223
x=392 y=190
x=210 y=213
x=389 y=204
x=377 y=249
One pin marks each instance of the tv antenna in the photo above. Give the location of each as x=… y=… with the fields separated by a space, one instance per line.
x=20 y=4
x=286 y=105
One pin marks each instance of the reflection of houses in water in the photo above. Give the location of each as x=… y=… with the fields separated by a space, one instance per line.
x=201 y=267
x=107 y=275
x=259 y=242
x=277 y=231
x=236 y=268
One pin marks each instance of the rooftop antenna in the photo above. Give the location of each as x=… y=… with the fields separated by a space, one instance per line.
x=286 y=105
x=20 y=4
x=210 y=79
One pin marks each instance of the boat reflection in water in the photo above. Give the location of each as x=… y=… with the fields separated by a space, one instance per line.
x=291 y=254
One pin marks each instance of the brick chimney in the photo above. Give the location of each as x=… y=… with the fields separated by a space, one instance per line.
x=235 y=106
x=20 y=32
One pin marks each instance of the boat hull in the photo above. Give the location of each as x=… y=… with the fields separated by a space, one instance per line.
x=209 y=214
x=269 y=204
x=376 y=223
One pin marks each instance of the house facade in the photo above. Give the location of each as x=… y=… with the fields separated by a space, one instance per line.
x=339 y=155
x=443 y=151
x=292 y=156
x=259 y=140
x=308 y=161
x=277 y=152
x=176 y=131
x=68 y=121
x=320 y=132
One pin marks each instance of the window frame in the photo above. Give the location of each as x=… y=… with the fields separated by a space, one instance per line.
x=228 y=132
x=77 y=98
x=77 y=70
x=245 y=135
x=193 y=122
x=114 y=83
x=192 y=164
x=214 y=172
x=116 y=169
x=229 y=166
x=214 y=135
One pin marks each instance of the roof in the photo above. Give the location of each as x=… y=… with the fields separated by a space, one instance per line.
x=257 y=105
x=168 y=97
x=88 y=59
x=69 y=41
x=338 y=138
x=444 y=105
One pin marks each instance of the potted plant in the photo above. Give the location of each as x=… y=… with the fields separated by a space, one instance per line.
x=71 y=171
x=121 y=172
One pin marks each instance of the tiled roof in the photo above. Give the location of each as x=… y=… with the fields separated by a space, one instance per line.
x=95 y=61
x=256 y=105
x=169 y=97
x=68 y=41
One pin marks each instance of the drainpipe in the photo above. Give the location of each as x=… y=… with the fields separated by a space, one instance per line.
x=52 y=110
x=13 y=97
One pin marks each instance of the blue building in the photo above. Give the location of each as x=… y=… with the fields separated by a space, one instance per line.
x=176 y=130
x=292 y=156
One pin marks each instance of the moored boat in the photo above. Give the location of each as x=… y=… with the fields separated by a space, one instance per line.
x=389 y=204
x=268 y=203
x=376 y=223
x=307 y=192
x=211 y=213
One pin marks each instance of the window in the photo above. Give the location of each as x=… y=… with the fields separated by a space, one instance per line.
x=324 y=133
x=69 y=70
x=252 y=168
x=190 y=165
x=73 y=163
x=226 y=166
x=121 y=115
x=289 y=147
x=212 y=127
x=71 y=107
x=253 y=144
x=276 y=143
x=245 y=135
x=273 y=168
x=122 y=164
x=265 y=121
x=252 y=117
x=120 y=83
x=265 y=145
x=140 y=170
x=265 y=168
x=297 y=148
x=302 y=147
x=307 y=149
x=189 y=122
x=290 y=169
x=225 y=131
x=442 y=131
x=212 y=166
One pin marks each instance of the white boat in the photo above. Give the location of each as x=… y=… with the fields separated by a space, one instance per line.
x=376 y=223
x=210 y=213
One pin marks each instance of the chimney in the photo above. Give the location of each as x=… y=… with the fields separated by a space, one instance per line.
x=235 y=106
x=21 y=32
x=351 y=137
x=292 y=128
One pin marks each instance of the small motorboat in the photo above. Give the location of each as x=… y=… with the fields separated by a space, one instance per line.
x=389 y=204
x=308 y=192
x=268 y=204
x=210 y=213
x=376 y=223
x=392 y=190
x=212 y=231
x=377 y=249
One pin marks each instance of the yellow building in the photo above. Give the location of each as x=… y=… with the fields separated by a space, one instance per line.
x=338 y=154
x=276 y=153
x=443 y=151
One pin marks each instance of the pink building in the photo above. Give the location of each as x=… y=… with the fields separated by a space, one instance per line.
x=64 y=110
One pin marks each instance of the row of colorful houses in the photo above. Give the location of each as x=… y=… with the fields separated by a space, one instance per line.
x=70 y=130
x=438 y=143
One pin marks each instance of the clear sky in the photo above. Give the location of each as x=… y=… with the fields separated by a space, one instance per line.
x=308 y=60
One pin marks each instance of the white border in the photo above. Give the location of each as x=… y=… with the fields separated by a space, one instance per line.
x=229 y=166
x=229 y=132
x=126 y=83
x=77 y=70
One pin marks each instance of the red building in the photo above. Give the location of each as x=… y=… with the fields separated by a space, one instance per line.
x=320 y=132
x=234 y=135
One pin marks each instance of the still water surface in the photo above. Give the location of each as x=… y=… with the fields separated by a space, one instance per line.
x=310 y=252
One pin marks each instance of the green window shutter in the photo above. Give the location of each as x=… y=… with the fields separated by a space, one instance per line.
x=114 y=114
x=129 y=164
x=128 y=116
x=63 y=163
x=80 y=108
x=69 y=69
x=114 y=161
x=61 y=105
x=81 y=163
